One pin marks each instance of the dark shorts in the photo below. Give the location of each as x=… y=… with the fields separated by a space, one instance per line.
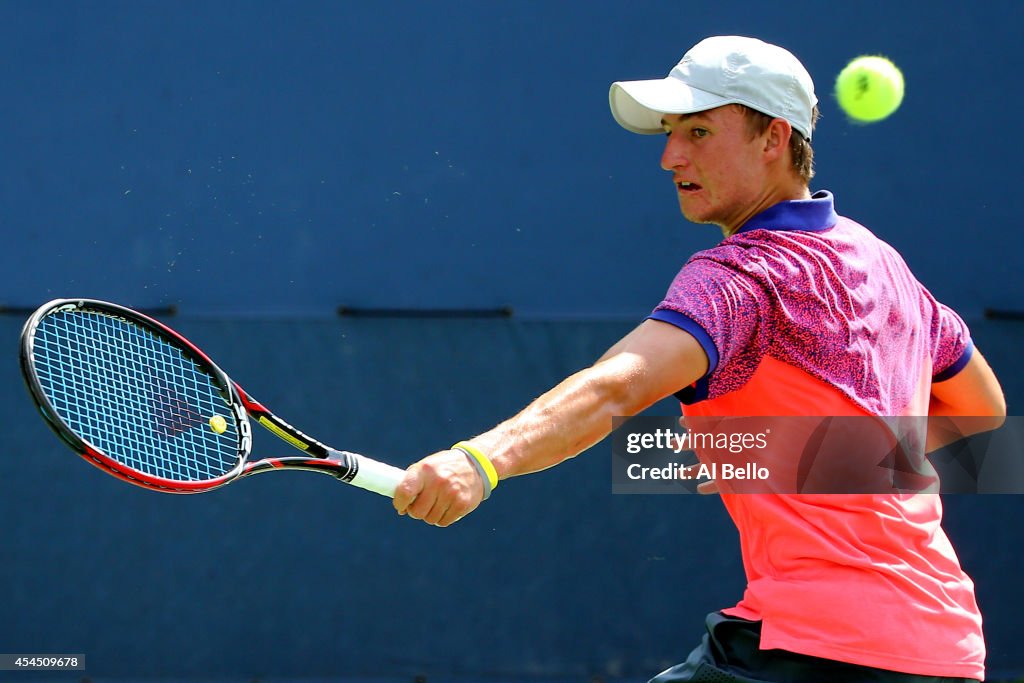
x=729 y=654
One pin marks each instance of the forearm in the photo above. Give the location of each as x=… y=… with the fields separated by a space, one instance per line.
x=565 y=421
x=947 y=424
x=969 y=403
x=651 y=362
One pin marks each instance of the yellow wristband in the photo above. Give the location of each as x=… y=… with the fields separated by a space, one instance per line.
x=485 y=463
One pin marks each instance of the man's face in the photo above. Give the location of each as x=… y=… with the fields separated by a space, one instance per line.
x=718 y=169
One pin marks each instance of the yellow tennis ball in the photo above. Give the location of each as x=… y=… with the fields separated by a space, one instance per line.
x=218 y=424
x=869 y=89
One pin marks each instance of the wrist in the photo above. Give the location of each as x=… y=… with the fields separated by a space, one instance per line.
x=483 y=465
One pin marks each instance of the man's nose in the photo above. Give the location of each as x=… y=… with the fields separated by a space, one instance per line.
x=673 y=155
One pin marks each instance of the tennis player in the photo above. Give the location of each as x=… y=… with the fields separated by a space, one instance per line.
x=797 y=311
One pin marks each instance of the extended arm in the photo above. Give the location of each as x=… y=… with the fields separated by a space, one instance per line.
x=651 y=362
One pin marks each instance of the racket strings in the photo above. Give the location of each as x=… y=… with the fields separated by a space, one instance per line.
x=134 y=396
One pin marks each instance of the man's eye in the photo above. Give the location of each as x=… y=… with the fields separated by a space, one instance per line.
x=700 y=132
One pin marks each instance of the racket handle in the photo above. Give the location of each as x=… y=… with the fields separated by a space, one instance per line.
x=376 y=476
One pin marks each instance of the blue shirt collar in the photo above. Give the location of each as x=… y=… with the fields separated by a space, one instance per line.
x=813 y=215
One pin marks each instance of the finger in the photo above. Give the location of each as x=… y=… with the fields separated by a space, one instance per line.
x=437 y=512
x=707 y=488
x=459 y=508
x=691 y=471
x=450 y=517
x=408 y=489
x=449 y=508
x=424 y=503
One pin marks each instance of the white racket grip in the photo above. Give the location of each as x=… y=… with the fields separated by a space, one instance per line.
x=377 y=476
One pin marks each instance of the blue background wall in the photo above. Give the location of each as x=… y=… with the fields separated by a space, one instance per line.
x=258 y=164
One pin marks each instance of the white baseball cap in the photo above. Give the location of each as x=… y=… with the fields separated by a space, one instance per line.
x=716 y=71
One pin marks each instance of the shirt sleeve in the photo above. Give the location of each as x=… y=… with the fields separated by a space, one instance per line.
x=951 y=343
x=719 y=304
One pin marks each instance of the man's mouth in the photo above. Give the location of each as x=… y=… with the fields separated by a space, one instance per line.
x=684 y=186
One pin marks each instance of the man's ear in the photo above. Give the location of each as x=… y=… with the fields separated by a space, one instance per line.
x=776 y=139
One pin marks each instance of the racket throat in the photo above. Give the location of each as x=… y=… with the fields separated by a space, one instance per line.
x=350 y=464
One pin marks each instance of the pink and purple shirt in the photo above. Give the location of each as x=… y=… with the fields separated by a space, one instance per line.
x=805 y=312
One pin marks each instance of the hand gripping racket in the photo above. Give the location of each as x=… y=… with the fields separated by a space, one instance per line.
x=141 y=402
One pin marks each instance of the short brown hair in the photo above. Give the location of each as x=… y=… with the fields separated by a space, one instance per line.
x=799 y=146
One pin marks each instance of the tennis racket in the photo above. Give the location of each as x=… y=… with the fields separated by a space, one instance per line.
x=142 y=403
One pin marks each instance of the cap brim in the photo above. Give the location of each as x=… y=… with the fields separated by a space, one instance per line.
x=638 y=106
